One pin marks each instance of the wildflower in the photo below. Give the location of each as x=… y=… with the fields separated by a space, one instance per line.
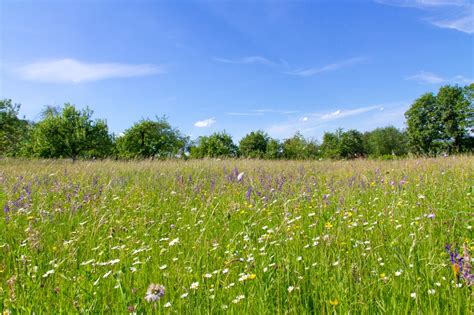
x=431 y=291
x=49 y=272
x=413 y=295
x=252 y=276
x=334 y=302
x=437 y=284
x=398 y=273
x=240 y=176
x=225 y=271
x=174 y=242
x=154 y=292
x=208 y=275
x=328 y=225
x=184 y=295
x=290 y=289
x=163 y=267
x=335 y=263
x=194 y=285
x=167 y=305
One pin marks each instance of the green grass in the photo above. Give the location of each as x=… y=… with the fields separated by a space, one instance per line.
x=333 y=233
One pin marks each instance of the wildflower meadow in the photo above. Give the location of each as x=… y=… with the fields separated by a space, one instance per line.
x=237 y=236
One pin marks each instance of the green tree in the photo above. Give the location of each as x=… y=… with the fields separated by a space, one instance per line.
x=343 y=144
x=274 y=149
x=442 y=121
x=331 y=148
x=219 y=144
x=352 y=144
x=299 y=148
x=455 y=111
x=254 y=144
x=14 y=132
x=70 y=133
x=386 y=141
x=423 y=124
x=151 y=139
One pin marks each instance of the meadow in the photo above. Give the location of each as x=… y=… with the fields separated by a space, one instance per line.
x=237 y=236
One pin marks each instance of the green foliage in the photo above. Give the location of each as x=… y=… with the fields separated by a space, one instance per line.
x=299 y=148
x=219 y=144
x=151 y=139
x=441 y=122
x=14 y=132
x=70 y=133
x=254 y=144
x=385 y=142
x=274 y=149
x=345 y=145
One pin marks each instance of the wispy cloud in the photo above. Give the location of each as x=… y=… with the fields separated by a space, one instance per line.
x=424 y=77
x=205 y=123
x=452 y=14
x=315 y=121
x=248 y=60
x=423 y=3
x=463 y=23
x=261 y=112
x=74 y=71
x=327 y=68
x=243 y=114
x=284 y=67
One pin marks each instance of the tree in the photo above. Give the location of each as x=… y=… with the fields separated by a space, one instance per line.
x=298 y=148
x=442 y=121
x=70 y=133
x=219 y=144
x=386 y=141
x=340 y=144
x=14 y=132
x=455 y=113
x=331 y=147
x=423 y=124
x=274 y=149
x=254 y=144
x=150 y=139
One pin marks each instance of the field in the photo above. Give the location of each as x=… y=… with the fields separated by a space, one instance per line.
x=237 y=237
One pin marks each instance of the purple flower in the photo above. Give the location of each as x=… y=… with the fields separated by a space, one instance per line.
x=154 y=292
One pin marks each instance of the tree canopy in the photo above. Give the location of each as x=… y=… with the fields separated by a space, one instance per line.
x=151 y=139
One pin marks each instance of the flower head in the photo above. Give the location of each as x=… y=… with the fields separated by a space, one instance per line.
x=154 y=292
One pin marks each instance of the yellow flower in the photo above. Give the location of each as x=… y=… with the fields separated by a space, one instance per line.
x=328 y=225
x=334 y=302
x=455 y=268
x=252 y=276
x=30 y=218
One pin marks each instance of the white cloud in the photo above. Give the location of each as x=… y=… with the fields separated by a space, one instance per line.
x=243 y=114
x=316 y=121
x=205 y=123
x=74 y=71
x=283 y=66
x=350 y=112
x=452 y=14
x=248 y=60
x=424 y=77
x=463 y=23
x=327 y=68
x=261 y=112
x=422 y=3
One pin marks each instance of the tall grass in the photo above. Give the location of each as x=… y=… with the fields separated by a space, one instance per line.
x=284 y=237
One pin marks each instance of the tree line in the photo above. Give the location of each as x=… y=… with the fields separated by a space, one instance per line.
x=436 y=123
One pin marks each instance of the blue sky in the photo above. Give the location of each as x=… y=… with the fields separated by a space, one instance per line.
x=278 y=66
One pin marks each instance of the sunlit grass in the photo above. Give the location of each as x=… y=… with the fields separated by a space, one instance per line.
x=289 y=237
